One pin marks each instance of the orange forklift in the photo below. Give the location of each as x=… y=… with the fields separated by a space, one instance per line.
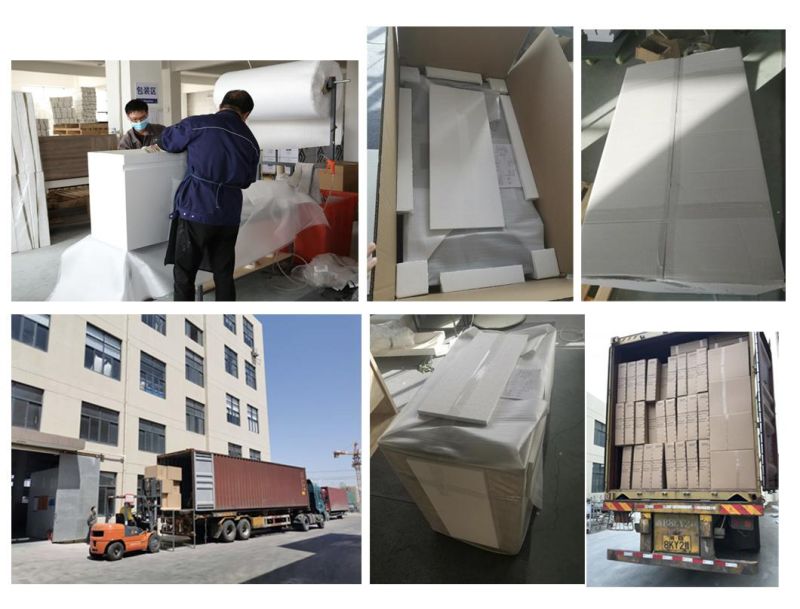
x=131 y=532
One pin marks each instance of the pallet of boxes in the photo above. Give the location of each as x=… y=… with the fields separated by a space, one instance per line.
x=170 y=478
x=663 y=420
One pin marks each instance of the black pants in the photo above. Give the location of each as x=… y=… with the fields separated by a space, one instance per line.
x=192 y=241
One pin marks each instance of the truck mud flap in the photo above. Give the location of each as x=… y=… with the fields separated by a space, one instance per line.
x=695 y=563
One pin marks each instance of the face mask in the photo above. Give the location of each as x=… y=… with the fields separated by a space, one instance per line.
x=141 y=124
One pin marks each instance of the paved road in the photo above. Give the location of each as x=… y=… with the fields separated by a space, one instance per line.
x=603 y=572
x=330 y=555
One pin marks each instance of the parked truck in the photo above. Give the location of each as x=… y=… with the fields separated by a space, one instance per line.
x=336 y=502
x=226 y=498
x=703 y=427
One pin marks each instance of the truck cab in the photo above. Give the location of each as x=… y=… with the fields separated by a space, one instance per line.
x=315 y=502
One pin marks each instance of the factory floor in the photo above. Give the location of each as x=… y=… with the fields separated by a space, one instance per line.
x=404 y=549
x=764 y=59
x=34 y=274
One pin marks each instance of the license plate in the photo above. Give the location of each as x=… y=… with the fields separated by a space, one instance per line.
x=677 y=543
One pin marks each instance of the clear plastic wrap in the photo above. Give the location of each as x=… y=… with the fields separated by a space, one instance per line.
x=328 y=271
x=472 y=482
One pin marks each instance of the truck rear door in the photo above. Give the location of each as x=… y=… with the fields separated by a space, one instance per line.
x=766 y=414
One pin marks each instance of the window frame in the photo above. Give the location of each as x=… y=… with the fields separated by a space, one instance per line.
x=232 y=325
x=35 y=326
x=253 y=419
x=104 y=501
x=195 y=423
x=160 y=322
x=598 y=477
x=153 y=431
x=257 y=452
x=104 y=354
x=231 y=445
x=191 y=368
x=233 y=369
x=250 y=372
x=101 y=415
x=30 y=406
x=233 y=412
x=599 y=432
x=146 y=386
x=187 y=326
x=248 y=333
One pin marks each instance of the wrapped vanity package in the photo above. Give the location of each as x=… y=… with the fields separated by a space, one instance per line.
x=680 y=201
x=479 y=483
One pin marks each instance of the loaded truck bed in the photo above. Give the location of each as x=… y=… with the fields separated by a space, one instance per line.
x=691 y=446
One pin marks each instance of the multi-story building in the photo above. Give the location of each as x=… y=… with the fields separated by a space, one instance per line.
x=595 y=448
x=96 y=398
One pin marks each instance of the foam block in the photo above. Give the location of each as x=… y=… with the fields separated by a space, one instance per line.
x=412 y=278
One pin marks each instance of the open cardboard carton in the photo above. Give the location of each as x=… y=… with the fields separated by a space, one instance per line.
x=540 y=87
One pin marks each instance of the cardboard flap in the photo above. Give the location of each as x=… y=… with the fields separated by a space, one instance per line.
x=489 y=51
x=544 y=113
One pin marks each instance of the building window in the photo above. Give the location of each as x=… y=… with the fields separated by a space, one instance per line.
x=193 y=332
x=232 y=407
x=194 y=368
x=230 y=322
x=152 y=437
x=157 y=322
x=195 y=416
x=247 y=331
x=598 y=477
x=26 y=406
x=599 y=433
x=103 y=352
x=255 y=455
x=252 y=418
x=153 y=376
x=99 y=424
x=33 y=330
x=107 y=491
x=231 y=362
x=234 y=450
x=250 y=374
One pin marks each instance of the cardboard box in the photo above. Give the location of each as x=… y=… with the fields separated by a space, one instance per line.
x=619 y=424
x=672 y=376
x=692 y=480
x=682 y=413
x=703 y=417
x=690 y=346
x=654 y=466
x=663 y=383
x=729 y=362
x=656 y=47
x=540 y=87
x=733 y=396
x=630 y=382
x=344 y=178
x=621 y=382
x=680 y=465
x=704 y=464
x=701 y=370
x=640 y=424
x=626 y=469
x=671 y=420
x=669 y=465
x=653 y=380
x=691 y=417
x=641 y=380
x=733 y=470
x=630 y=423
x=682 y=372
x=658 y=430
x=637 y=467
x=734 y=432
x=165 y=473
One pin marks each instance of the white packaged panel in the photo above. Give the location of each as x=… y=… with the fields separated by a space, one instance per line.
x=464 y=191
x=497 y=84
x=457 y=75
x=471 y=388
x=411 y=279
x=405 y=173
x=132 y=196
x=453 y=281
x=520 y=155
x=545 y=264
x=409 y=74
x=680 y=202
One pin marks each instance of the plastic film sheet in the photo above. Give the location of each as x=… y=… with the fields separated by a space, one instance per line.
x=273 y=213
x=456 y=250
x=284 y=92
x=507 y=453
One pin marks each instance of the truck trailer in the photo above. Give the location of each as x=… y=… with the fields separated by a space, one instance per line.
x=691 y=446
x=336 y=502
x=226 y=498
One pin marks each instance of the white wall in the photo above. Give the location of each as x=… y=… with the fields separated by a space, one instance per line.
x=595 y=411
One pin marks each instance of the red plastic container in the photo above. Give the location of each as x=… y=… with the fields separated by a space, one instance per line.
x=340 y=210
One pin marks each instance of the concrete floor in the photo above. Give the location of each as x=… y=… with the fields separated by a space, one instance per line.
x=603 y=572
x=764 y=59
x=34 y=274
x=331 y=555
x=404 y=549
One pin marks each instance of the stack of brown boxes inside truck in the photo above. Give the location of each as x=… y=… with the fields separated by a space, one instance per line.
x=170 y=478
x=687 y=423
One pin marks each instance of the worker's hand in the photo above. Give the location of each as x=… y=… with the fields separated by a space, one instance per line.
x=152 y=148
x=372 y=259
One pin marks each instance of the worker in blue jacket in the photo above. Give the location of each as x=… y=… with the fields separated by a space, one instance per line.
x=222 y=160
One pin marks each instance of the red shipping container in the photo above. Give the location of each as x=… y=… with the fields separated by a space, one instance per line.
x=335 y=499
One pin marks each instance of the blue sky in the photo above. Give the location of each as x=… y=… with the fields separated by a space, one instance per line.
x=313 y=371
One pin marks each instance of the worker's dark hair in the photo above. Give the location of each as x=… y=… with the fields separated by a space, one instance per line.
x=136 y=105
x=238 y=100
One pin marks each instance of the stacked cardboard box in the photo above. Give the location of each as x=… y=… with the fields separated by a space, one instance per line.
x=63 y=112
x=731 y=418
x=671 y=420
x=630 y=382
x=704 y=463
x=672 y=376
x=681 y=416
x=86 y=105
x=664 y=381
x=641 y=380
x=692 y=480
x=640 y=423
x=619 y=424
x=637 y=467
x=170 y=478
x=703 y=422
x=681 y=376
x=653 y=380
x=688 y=347
x=42 y=127
x=629 y=423
x=669 y=465
x=681 y=480
x=691 y=417
x=658 y=431
x=627 y=464
x=622 y=377
x=653 y=470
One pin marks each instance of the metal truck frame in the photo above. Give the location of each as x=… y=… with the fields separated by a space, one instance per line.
x=709 y=516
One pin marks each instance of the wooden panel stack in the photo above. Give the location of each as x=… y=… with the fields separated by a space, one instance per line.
x=30 y=228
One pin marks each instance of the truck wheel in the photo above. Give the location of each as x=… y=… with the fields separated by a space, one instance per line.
x=301 y=524
x=243 y=529
x=228 y=531
x=321 y=523
x=115 y=550
x=153 y=544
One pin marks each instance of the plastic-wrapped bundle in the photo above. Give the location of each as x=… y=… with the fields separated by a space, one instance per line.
x=479 y=484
